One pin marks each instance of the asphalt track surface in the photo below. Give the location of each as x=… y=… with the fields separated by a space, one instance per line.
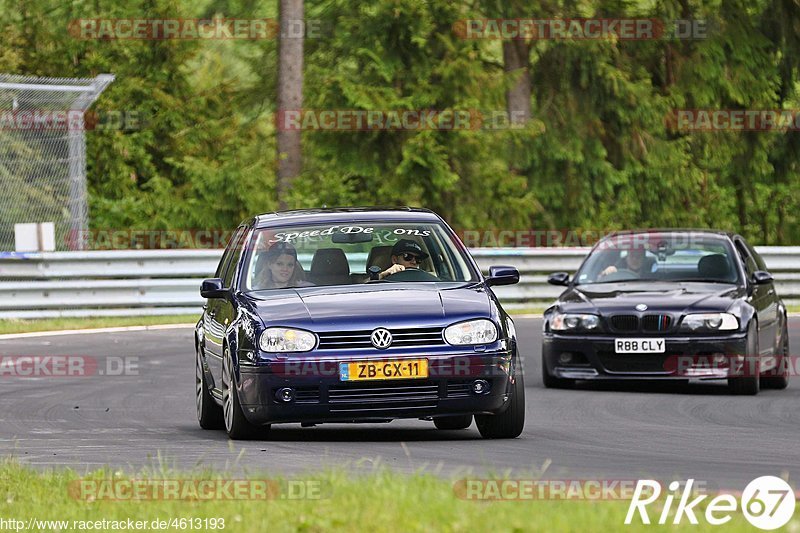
x=605 y=431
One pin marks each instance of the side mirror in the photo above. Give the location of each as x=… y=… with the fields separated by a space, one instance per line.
x=558 y=278
x=502 y=275
x=212 y=288
x=762 y=277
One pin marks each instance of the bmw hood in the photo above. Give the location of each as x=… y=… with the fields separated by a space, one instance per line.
x=671 y=297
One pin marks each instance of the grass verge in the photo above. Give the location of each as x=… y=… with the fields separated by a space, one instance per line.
x=57 y=324
x=377 y=501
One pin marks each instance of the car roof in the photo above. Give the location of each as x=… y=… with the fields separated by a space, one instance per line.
x=664 y=231
x=344 y=215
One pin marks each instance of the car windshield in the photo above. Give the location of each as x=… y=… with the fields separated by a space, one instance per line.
x=342 y=254
x=659 y=257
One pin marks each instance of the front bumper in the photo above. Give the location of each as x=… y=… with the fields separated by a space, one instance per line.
x=593 y=357
x=320 y=396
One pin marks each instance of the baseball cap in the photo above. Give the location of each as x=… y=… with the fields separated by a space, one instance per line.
x=407 y=246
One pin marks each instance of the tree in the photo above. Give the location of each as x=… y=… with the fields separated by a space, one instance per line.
x=290 y=95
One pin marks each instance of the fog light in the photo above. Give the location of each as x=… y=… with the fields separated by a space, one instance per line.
x=565 y=358
x=285 y=395
x=480 y=386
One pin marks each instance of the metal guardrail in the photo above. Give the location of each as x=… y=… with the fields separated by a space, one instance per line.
x=160 y=282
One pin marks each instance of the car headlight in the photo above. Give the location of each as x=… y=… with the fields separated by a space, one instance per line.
x=710 y=322
x=574 y=322
x=277 y=340
x=480 y=331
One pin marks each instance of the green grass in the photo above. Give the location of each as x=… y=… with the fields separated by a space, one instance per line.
x=375 y=501
x=53 y=324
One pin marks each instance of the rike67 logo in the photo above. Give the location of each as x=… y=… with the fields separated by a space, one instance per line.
x=767 y=502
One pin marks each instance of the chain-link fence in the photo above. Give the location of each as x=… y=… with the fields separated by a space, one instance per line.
x=43 y=154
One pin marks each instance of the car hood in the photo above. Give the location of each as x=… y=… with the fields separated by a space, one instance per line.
x=666 y=297
x=371 y=305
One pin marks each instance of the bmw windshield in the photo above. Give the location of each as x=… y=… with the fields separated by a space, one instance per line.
x=680 y=257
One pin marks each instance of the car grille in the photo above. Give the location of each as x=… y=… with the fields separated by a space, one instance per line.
x=379 y=396
x=656 y=322
x=409 y=337
x=625 y=322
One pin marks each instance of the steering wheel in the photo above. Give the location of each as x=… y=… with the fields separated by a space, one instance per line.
x=622 y=274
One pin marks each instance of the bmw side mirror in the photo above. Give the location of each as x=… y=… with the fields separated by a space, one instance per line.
x=762 y=277
x=502 y=275
x=212 y=288
x=558 y=278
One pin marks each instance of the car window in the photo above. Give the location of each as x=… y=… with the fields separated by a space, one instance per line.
x=226 y=255
x=747 y=260
x=326 y=254
x=759 y=261
x=236 y=253
x=660 y=257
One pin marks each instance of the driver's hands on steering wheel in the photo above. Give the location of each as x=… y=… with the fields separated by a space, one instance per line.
x=608 y=270
x=394 y=269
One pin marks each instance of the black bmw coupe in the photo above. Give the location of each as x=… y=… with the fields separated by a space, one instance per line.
x=668 y=304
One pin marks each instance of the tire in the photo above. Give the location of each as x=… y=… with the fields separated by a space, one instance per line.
x=236 y=425
x=780 y=380
x=749 y=384
x=209 y=413
x=510 y=423
x=453 y=422
x=551 y=382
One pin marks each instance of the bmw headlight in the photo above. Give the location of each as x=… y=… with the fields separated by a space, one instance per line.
x=574 y=322
x=480 y=331
x=710 y=322
x=276 y=340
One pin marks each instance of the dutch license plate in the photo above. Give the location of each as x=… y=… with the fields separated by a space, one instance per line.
x=640 y=345
x=374 y=370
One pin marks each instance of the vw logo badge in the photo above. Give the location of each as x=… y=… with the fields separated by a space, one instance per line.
x=641 y=307
x=381 y=338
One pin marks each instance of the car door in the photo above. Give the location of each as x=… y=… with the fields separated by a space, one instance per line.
x=227 y=307
x=213 y=326
x=759 y=296
x=772 y=304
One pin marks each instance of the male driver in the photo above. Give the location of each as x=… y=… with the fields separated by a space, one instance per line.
x=635 y=261
x=406 y=254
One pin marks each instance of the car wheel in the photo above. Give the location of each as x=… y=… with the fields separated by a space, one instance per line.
x=552 y=382
x=509 y=423
x=780 y=380
x=209 y=414
x=236 y=425
x=749 y=384
x=453 y=422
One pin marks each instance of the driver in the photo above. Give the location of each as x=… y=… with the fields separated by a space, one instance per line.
x=635 y=261
x=405 y=254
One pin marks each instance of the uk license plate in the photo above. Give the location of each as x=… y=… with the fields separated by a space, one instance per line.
x=381 y=370
x=640 y=345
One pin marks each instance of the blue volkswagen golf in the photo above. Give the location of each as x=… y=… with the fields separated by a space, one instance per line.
x=355 y=315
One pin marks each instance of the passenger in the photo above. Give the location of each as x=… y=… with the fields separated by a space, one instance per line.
x=278 y=268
